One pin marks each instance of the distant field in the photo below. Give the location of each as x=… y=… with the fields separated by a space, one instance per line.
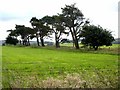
x=64 y=67
x=113 y=46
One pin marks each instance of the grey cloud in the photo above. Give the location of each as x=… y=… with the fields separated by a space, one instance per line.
x=8 y=16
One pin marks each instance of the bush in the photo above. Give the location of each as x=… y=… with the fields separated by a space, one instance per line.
x=95 y=36
x=11 y=40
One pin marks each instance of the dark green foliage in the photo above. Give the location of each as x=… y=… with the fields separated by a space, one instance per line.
x=11 y=40
x=95 y=36
x=58 y=28
x=12 y=33
x=25 y=33
x=73 y=19
x=40 y=29
x=35 y=24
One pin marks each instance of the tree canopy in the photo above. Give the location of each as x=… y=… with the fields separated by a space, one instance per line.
x=73 y=19
x=40 y=29
x=96 y=36
x=57 y=26
x=70 y=21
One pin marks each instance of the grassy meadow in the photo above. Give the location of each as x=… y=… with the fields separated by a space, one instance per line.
x=48 y=67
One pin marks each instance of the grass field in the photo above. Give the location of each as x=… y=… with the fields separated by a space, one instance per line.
x=65 y=67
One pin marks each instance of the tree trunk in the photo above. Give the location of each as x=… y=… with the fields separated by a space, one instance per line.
x=75 y=39
x=73 y=44
x=23 y=41
x=72 y=36
x=28 y=42
x=96 y=48
x=76 y=44
x=57 y=42
x=42 y=42
x=37 y=40
x=20 y=42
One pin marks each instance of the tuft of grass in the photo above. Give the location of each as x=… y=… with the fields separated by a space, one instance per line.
x=74 y=80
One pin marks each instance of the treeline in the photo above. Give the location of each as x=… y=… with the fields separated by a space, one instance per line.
x=70 y=21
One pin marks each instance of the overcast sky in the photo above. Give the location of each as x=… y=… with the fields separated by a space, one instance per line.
x=100 y=12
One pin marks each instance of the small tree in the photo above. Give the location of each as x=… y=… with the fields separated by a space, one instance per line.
x=40 y=29
x=44 y=30
x=24 y=32
x=35 y=24
x=11 y=40
x=96 y=36
x=57 y=26
x=73 y=19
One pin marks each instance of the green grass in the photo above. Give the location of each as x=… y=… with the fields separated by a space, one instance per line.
x=34 y=67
